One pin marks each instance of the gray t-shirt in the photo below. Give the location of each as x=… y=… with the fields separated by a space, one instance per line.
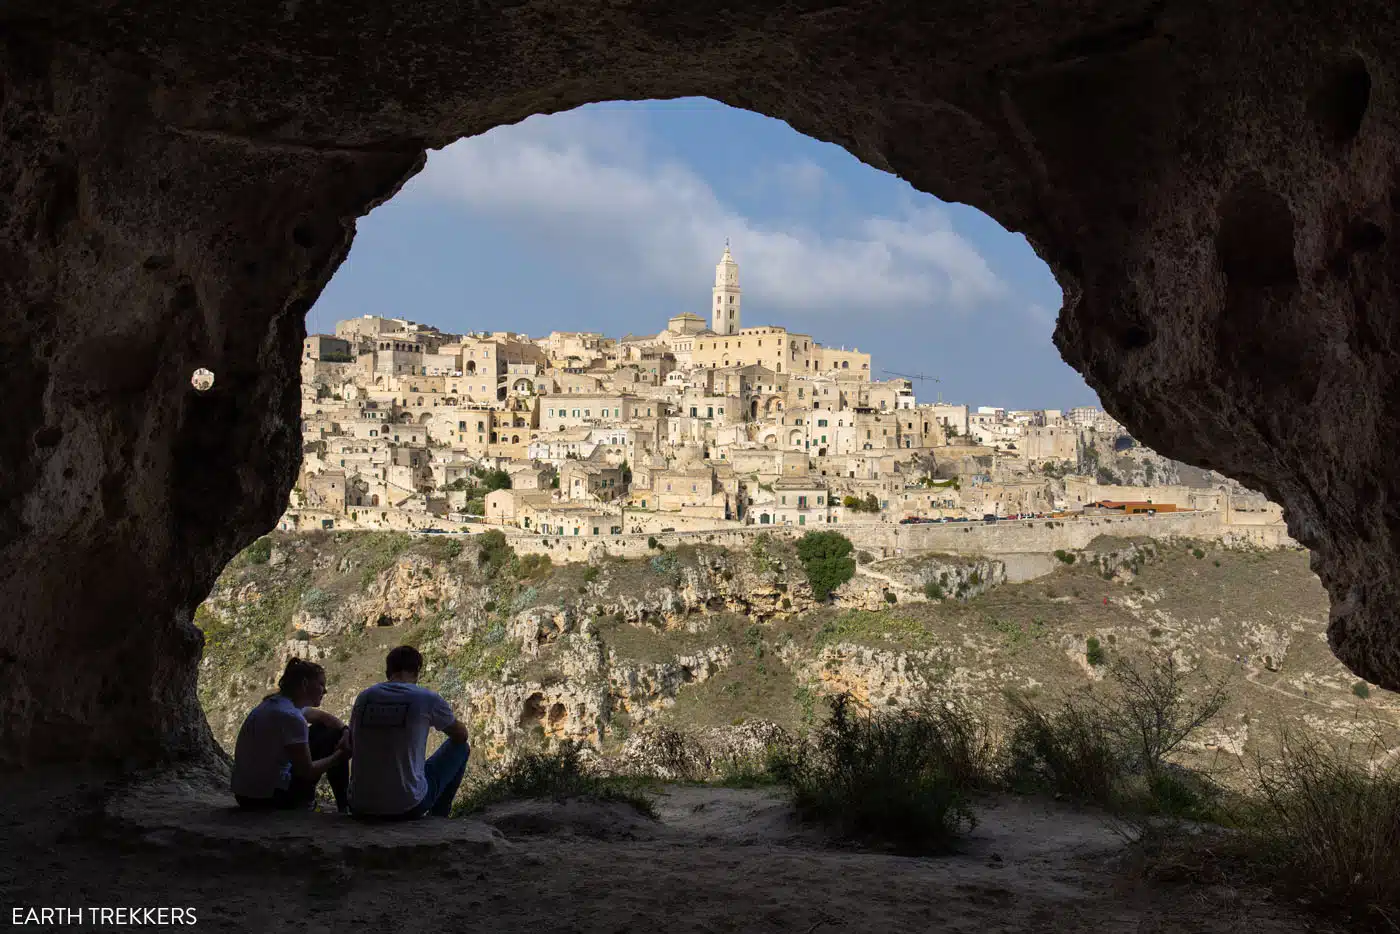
x=260 y=761
x=389 y=736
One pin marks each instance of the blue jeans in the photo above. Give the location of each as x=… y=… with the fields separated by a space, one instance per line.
x=443 y=770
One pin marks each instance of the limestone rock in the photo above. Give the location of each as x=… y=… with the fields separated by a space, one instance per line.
x=670 y=755
x=1214 y=187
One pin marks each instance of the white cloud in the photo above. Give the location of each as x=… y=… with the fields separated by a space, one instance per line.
x=586 y=181
x=1042 y=318
x=799 y=178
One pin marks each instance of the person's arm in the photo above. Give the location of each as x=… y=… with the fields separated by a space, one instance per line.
x=445 y=719
x=305 y=769
x=326 y=719
x=457 y=732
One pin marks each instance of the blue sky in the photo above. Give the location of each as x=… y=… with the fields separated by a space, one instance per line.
x=611 y=218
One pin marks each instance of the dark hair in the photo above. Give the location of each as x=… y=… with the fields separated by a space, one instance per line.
x=298 y=672
x=405 y=658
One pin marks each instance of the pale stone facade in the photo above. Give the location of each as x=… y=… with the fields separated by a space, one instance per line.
x=705 y=424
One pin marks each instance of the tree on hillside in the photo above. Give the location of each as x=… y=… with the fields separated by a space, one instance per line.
x=857 y=504
x=492 y=480
x=826 y=557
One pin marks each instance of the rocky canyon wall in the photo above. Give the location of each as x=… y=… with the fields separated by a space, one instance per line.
x=1214 y=187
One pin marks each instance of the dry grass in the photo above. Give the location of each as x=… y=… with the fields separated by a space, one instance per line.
x=1326 y=822
x=559 y=774
x=902 y=778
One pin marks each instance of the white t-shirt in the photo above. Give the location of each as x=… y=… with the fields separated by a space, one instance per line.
x=260 y=762
x=389 y=737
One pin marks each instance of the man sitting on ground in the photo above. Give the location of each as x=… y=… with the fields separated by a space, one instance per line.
x=286 y=744
x=389 y=733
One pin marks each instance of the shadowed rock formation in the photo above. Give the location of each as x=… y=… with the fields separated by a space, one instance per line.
x=1215 y=188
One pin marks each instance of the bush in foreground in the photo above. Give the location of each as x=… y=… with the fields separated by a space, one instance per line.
x=559 y=774
x=1325 y=822
x=900 y=778
x=1112 y=746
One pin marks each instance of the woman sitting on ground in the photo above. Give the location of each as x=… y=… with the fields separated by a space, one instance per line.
x=286 y=744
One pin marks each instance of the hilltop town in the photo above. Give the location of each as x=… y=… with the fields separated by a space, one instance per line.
x=700 y=427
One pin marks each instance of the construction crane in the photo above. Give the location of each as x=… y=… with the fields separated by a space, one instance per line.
x=918 y=376
x=914 y=376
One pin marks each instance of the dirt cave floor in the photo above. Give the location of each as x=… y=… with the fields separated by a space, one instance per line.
x=717 y=860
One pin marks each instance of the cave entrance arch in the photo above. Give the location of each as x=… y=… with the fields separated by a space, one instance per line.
x=1226 y=243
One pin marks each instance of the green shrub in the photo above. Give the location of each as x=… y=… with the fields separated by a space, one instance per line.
x=826 y=557
x=864 y=557
x=532 y=567
x=559 y=775
x=1361 y=689
x=866 y=503
x=317 y=602
x=1064 y=556
x=445 y=549
x=1111 y=745
x=1154 y=707
x=1198 y=553
x=787 y=603
x=491 y=480
x=933 y=590
x=899 y=778
x=494 y=551
x=1325 y=823
x=651 y=541
x=743 y=772
x=259 y=552
x=525 y=599
x=1068 y=751
x=590 y=574
x=1094 y=652
x=890 y=597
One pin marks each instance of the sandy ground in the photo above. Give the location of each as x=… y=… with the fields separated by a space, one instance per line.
x=718 y=860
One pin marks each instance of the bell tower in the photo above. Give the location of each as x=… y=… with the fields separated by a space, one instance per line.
x=724 y=308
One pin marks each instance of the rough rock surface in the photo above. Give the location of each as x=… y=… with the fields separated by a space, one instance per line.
x=1214 y=187
x=677 y=664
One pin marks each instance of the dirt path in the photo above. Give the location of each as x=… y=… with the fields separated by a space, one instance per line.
x=719 y=860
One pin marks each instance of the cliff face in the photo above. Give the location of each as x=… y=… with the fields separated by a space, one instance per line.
x=712 y=641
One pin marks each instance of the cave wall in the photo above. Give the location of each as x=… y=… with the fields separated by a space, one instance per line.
x=1215 y=189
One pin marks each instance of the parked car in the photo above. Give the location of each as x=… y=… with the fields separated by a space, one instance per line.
x=989 y=517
